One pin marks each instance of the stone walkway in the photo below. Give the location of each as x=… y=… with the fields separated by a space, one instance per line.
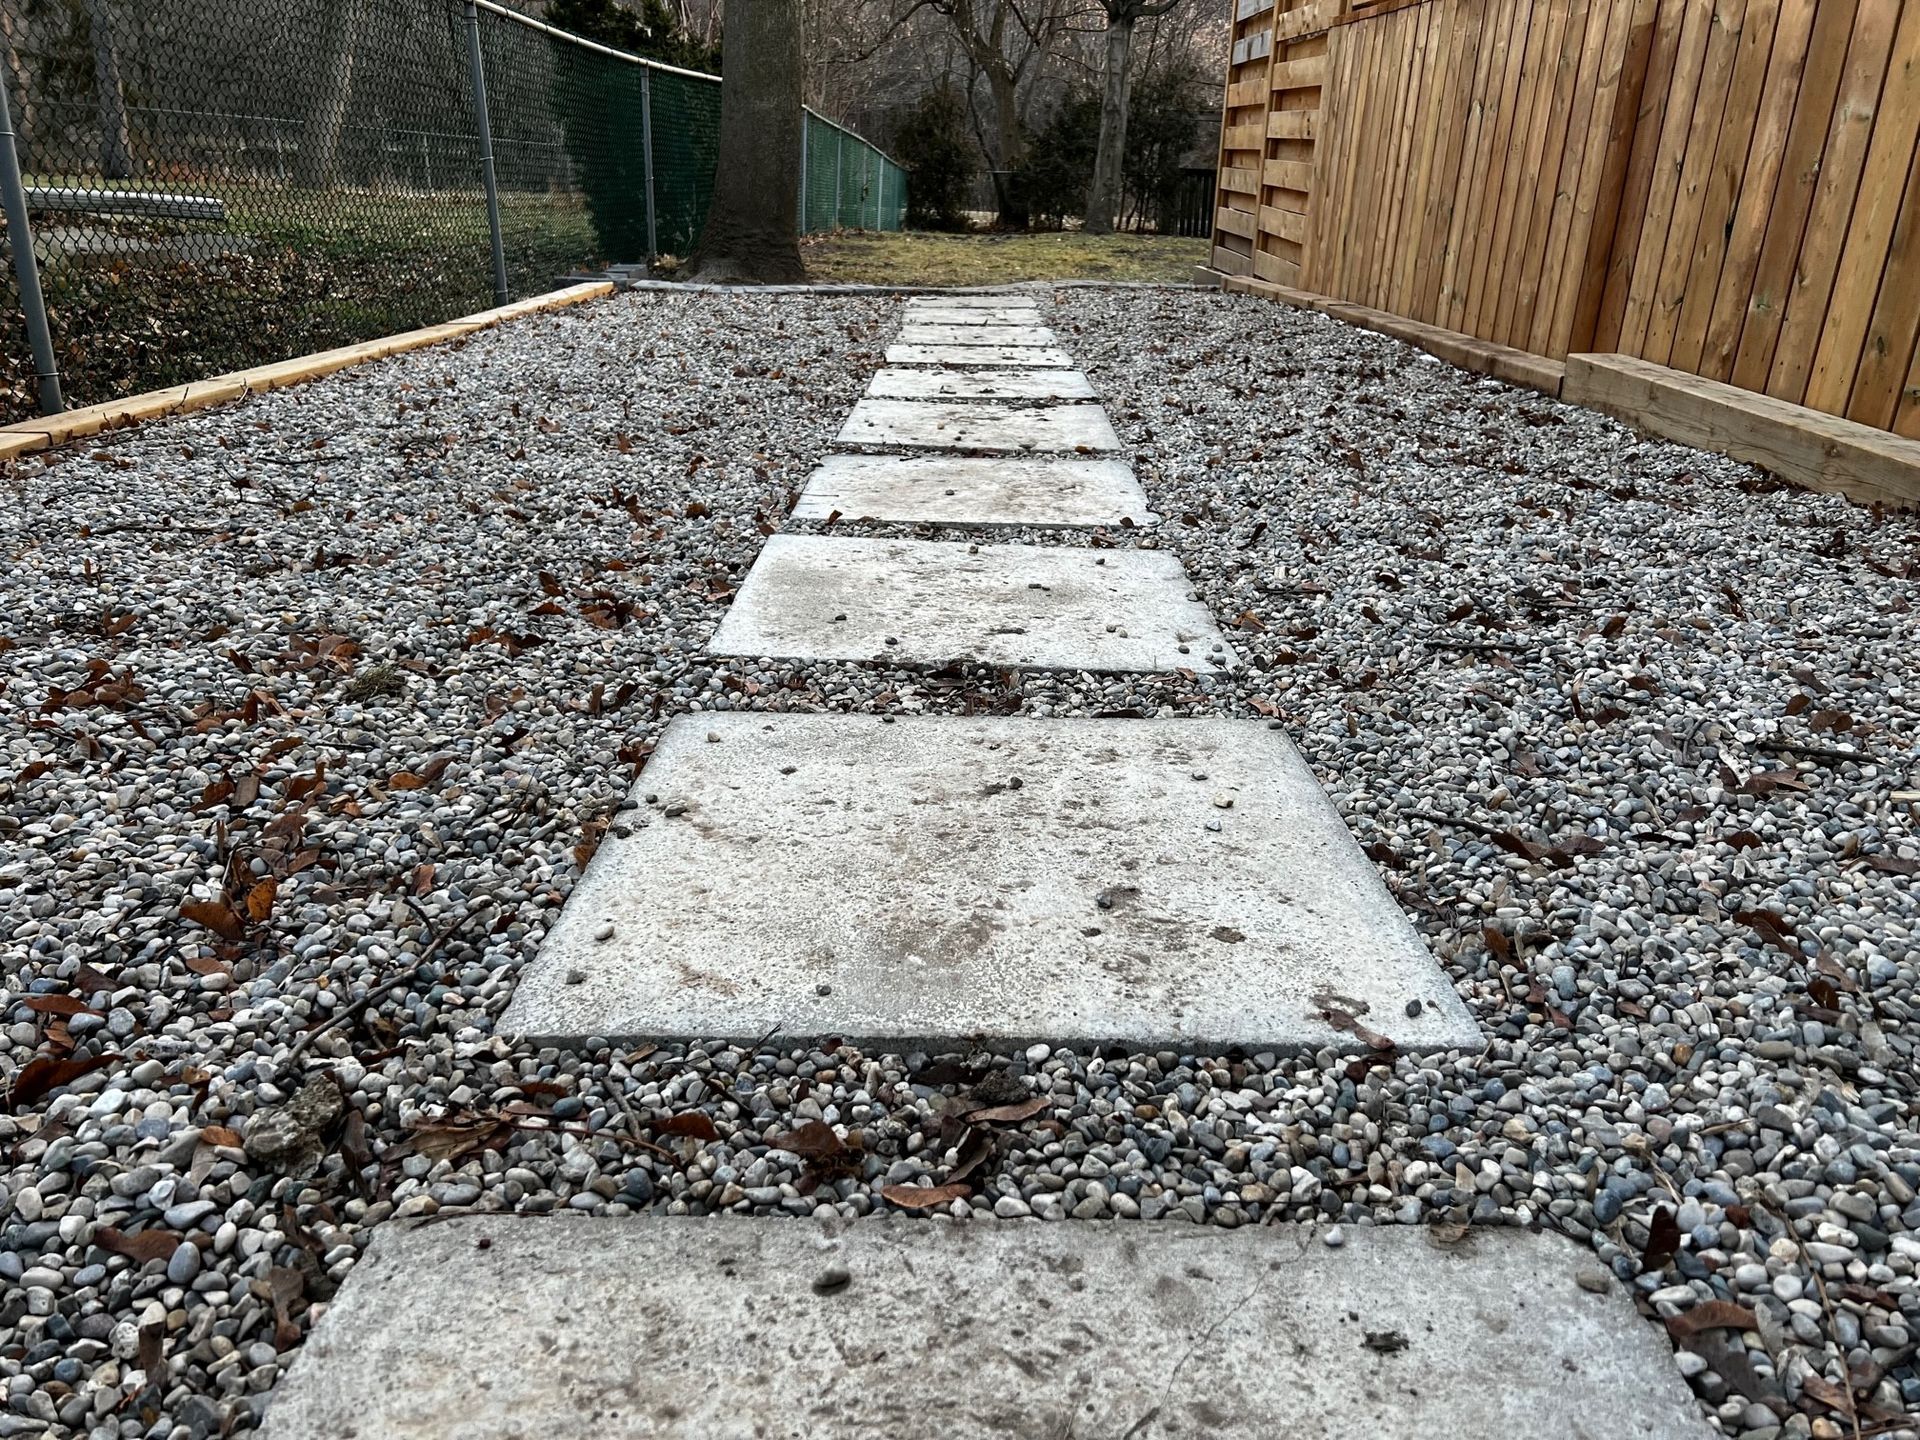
x=945 y=883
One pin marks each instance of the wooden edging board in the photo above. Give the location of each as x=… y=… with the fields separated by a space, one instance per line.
x=50 y=430
x=1482 y=357
x=1820 y=451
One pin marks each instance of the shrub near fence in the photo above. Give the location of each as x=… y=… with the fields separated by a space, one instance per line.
x=216 y=185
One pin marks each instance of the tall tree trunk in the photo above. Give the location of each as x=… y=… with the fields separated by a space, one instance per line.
x=116 y=136
x=1103 y=197
x=752 y=232
x=1004 y=87
x=333 y=94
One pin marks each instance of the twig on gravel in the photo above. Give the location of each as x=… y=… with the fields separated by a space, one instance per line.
x=1815 y=752
x=360 y=1007
x=1444 y=643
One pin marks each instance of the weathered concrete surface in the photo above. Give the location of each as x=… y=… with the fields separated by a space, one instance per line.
x=1025 y=335
x=927 y=425
x=700 y=1329
x=970 y=302
x=825 y=597
x=979 y=315
x=974 y=490
x=979 y=356
x=904 y=384
x=946 y=879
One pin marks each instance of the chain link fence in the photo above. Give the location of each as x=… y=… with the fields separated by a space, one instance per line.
x=212 y=184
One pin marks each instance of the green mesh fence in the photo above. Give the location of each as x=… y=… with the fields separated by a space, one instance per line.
x=213 y=184
x=847 y=183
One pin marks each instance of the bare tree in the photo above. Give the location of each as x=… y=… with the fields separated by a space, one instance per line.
x=332 y=92
x=116 y=135
x=1103 y=197
x=751 y=232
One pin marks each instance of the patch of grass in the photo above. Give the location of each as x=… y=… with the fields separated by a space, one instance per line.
x=920 y=257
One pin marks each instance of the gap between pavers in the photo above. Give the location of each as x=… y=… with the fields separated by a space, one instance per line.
x=942 y=881
x=716 y=1329
x=975 y=491
x=1000 y=335
x=947 y=300
x=905 y=384
x=825 y=597
x=927 y=425
x=980 y=357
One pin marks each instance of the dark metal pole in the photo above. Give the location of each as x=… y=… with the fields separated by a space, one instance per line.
x=33 y=304
x=485 y=125
x=646 y=161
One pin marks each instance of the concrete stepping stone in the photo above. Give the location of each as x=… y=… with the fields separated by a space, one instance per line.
x=970 y=302
x=1004 y=315
x=826 y=597
x=970 y=490
x=980 y=356
x=1025 y=335
x=944 y=881
x=905 y=384
x=927 y=425
x=680 y=1327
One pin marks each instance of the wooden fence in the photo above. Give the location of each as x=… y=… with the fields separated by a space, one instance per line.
x=1729 y=188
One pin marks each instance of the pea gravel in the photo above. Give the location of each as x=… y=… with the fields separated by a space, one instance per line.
x=312 y=707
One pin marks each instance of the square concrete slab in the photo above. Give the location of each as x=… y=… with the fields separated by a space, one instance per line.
x=980 y=356
x=677 y=1328
x=1000 y=315
x=942 y=881
x=966 y=302
x=825 y=597
x=913 y=334
x=928 y=426
x=904 y=384
x=969 y=490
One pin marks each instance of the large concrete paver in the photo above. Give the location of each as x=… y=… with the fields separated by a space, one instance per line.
x=827 y=597
x=989 y=357
x=979 y=315
x=945 y=880
x=926 y=424
x=975 y=490
x=1022 y=335
x=900 y=383
x=670 y=1329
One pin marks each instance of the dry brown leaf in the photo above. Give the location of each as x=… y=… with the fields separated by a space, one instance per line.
x=142 y=1247
x=215 y=915
x=1011 y=1114
x=1712 y=1315
x=924 y=1197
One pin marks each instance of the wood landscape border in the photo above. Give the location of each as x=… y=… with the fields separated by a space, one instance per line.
x=50 y=430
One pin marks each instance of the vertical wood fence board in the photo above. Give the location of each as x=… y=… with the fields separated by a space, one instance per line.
x=1534 y=323
x=1572 y=89
x=1839 y=185
x=1793 y=192
x=1603 y=183
x=1725 y=30
x=1732 y=154
x=1869 y=233
x=1887 y=356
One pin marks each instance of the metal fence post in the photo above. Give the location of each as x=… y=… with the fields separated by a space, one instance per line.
x=806 y=124
x=485 y=126
x=839 y=169
x=20 y=237
x=646 y=159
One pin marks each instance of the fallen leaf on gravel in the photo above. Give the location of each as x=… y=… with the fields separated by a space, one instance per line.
x=813 y=1140
x=1663 y=1239
x=220 y=1135
x=55 y=1004
x=142 y=1247
x=260 y=899
x=215 y=915
x=925 y=1197
x=284 y=1285
x=694 y=1125
x=1011 y=1114
x=1713 y=1315
x=1344 y=1020
x=44 y=1074
x=1386 y=1342
x=454 y=1139
x=976 y=1148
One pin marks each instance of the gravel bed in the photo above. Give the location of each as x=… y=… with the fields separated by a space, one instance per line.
x=311 y=708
